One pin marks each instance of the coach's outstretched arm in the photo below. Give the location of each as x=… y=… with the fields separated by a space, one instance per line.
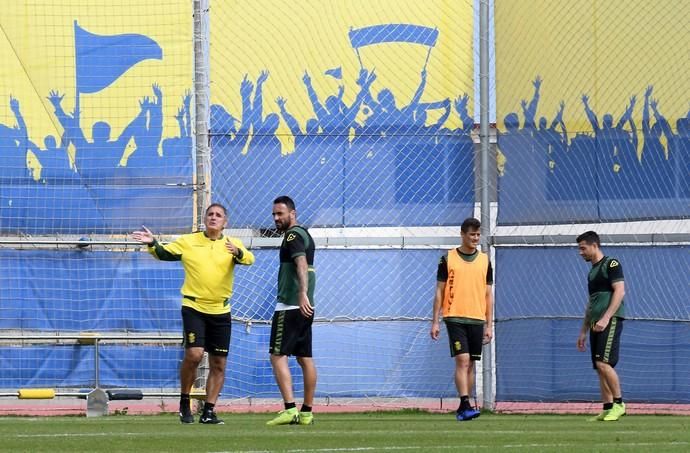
x=169 y=252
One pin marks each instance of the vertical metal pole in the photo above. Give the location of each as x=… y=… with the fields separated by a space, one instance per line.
x=484 y=99
x=202 y=69
x=202 y=109
x=97 y=380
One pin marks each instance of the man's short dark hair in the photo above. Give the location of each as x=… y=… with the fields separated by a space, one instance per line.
x=287 y=201
x=217 y=205
x=470 y=223
x=590 y=237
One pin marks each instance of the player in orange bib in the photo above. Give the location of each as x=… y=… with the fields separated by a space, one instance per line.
x=464 y=299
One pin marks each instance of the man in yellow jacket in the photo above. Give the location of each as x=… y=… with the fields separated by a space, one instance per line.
x=465 y=301
x=208 y=258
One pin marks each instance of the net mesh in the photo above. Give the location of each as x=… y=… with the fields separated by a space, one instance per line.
x=360 y=111
x=94 y=116
x=365 y=122
x=589 y=141
x=585 y=136
x=68 y=293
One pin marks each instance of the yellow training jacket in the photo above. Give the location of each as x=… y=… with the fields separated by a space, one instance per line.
x=208 y=269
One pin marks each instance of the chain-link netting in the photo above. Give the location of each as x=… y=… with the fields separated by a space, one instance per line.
x=541 y=301
x=593 y=122
x=592 y=111
x=127 y=294
x=360 y=111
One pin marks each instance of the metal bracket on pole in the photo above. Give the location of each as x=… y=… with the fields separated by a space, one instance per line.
x=96 y=399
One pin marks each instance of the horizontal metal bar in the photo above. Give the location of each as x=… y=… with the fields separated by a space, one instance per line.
x=579 y=318
x=518 y=237
x=75 y=242
x=261 y=242
x=100 y=337
x=171 y=394
x=606 y=239
x=366 y=241
x=57 y=394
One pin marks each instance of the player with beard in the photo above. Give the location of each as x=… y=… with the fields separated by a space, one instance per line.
x=294 y=314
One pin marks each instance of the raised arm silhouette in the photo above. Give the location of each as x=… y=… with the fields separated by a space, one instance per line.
x=147 y=128
x=530 y=110
x=14 y=143
x=319 y=110
x=460 y=105
x=102 y=154
x=263 y=140
x=591 y=116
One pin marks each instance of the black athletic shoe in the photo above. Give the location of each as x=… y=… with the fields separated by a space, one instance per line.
x=186 y=416
x=209 y=418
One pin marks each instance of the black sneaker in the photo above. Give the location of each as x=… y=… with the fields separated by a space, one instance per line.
x=186 y=416
x=209 y=418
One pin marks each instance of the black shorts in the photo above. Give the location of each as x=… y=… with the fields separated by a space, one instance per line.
x=605 y=345
x=211 y=332
x=465 y=339
x=291 y=334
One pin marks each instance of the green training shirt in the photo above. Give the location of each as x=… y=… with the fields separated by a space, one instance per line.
x=600 y=282
x=296 y=242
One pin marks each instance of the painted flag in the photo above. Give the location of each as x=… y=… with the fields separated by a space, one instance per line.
x=336 y=73
x=409 y=33
x=102 y=59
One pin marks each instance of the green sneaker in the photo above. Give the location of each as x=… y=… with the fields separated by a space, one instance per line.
x=616 y=412
x=306 y=418
x=600 y=417
x=286 y=417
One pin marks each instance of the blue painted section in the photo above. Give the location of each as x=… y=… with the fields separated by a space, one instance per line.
x=313 y=177
x=102 y=59
x=371 y=182
x=537 y=361
x=81 y=209
x=97 y=193
x=82 y=290
x=578 y=183
x=73 y=366
x=386 y=33
x=552 y=281
x=535 y=338
x=613 y=172
x=75 y=291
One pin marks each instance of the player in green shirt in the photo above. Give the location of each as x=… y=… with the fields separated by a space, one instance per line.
x=294 y=314
x=604 y=322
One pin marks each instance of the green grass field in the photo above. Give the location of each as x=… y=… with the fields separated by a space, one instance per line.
x=369 y=432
